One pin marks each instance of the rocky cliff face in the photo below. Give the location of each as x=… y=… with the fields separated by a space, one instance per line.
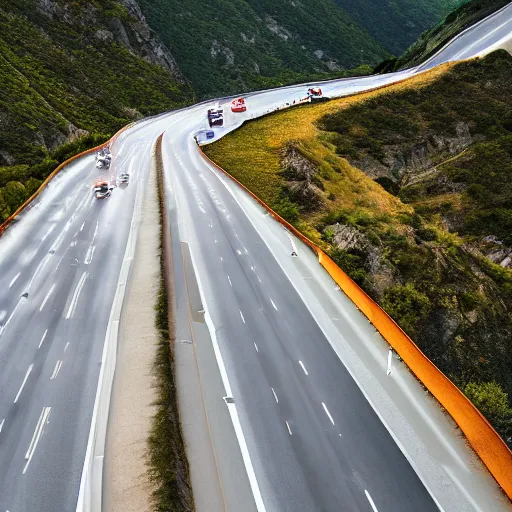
x=406 y=163
x=300 y=173
x=124 y=24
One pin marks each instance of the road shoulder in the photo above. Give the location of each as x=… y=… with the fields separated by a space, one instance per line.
x=126 y=486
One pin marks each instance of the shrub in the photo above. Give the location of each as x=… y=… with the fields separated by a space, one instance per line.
x=492 y=402
x=407 y=306
x=352 y=262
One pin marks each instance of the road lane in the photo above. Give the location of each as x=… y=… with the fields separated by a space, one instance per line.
x=323 y=468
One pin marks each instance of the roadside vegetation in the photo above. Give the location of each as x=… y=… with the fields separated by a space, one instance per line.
x=409 y=190
x=167 y=460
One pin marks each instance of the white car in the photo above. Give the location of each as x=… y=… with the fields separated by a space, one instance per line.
x=102 y=189
x=124 y=178
x=103 y=158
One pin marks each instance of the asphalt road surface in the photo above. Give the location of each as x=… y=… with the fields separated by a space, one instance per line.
x=314 y=441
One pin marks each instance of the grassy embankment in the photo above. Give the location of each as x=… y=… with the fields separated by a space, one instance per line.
x=64 y=89
x=418 y=251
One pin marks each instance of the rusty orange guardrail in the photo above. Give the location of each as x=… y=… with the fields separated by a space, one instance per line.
x=485 y=441
x=43 y=185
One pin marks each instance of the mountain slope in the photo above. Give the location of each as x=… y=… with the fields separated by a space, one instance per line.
x=226 y=46
x=69 y=69
x=435 y=38
x=408 y=188
x=395 y=24
x=229 y=46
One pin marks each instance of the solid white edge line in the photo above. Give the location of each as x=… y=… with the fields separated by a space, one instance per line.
x=2 y=424
x=371 y=501
x=3 y=327
x=418 y=69
x=47 y=234
x=47 y=297
x=76 y=296
x=29 y=371
x=253 y=481
x=43 y=419
x=251 y=474
x=56 y=370
x=303 y=367
x=328 y=413
x=14 y=279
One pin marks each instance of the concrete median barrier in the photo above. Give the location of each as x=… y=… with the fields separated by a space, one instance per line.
x=484 y=440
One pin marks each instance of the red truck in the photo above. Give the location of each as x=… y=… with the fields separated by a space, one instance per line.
x=238 y=105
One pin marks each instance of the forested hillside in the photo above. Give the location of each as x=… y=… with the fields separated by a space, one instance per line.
x=397 y=24
x=228 y=46
x=73 y=73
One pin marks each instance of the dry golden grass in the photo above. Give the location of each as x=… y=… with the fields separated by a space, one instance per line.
x=252 y=155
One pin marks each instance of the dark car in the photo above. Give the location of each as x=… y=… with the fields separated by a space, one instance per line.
x=215 y=117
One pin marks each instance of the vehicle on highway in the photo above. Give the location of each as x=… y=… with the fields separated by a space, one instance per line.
x=315 y=93
x=124 y=178
x=203 y=135
x=238 y=105
x=103 y=158
x=102 y=189
x=216 y=116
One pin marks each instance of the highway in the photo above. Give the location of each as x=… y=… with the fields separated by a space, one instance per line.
x=313 y=439
x=312 y=431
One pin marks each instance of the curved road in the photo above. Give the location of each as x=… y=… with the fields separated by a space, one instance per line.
x=314 y=441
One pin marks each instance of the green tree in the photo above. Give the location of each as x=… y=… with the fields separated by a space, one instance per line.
x=14 y=194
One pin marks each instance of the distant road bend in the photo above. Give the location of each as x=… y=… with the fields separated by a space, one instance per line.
x=313 y=441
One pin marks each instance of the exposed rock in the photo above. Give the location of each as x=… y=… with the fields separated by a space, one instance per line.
x=217 y=49
x=119 y=32
x=6 y=158
x=104 y=35
x=332 y=65
x=276 y=29
x=405 y=162
x=75 y=133
x=349 y=238
x=441 y=326
x=300 y=172
x=149 y=46
x=248 y=39
x=47 y=7
x=494 y=249
x=256 y=68
x=319 y=54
